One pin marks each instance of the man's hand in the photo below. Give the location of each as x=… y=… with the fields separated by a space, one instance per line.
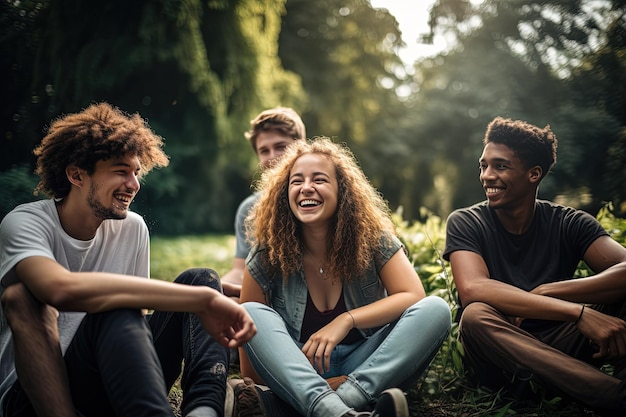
x=607 y=332
x=227 y=322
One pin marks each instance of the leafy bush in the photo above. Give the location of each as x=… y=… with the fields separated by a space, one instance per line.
x=425 y=242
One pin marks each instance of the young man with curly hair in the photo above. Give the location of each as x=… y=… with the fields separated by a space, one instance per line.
x=513 y=258
x=74 y=271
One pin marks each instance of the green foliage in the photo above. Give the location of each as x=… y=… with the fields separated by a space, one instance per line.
x=169 y=256
x=425 y=242
x=17 y=185
x=342 y=51
x=615 y=226
x=197 y=70
x=555 y=62
x=200 y=70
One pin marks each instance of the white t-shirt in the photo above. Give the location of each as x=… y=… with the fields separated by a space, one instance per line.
x=34 y=229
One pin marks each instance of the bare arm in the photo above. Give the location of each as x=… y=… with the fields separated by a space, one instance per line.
x=404 y=289
x=232 y=280
x=609 y=333
x=38 y=359
x=94 y=292
x=606 y=257
x=474 y=284
x=250 y=291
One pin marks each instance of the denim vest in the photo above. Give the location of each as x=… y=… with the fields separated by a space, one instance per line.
x=288 y=296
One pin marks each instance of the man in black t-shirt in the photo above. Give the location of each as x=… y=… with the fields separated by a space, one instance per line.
x=513 y=258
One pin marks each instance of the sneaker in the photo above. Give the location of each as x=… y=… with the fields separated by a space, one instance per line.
x=252 y=400
x=229 y=401
x=391 y=403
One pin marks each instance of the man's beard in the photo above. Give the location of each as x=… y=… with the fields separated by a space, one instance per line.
x=99 y=210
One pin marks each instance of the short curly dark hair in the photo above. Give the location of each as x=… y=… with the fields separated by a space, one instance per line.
x=532 y=145
x=99 y=132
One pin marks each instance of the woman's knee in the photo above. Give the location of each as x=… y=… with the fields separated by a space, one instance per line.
x=438 y=308
x=255 y=309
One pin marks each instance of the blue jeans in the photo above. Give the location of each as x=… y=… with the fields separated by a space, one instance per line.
x=394 y=356
x=121 y=364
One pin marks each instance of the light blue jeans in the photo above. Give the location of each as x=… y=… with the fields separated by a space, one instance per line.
x=394 y=356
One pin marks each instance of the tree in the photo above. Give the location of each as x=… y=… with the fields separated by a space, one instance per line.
x=344 y=52
x=198 y=71
x=346 y=55
x=522 y=60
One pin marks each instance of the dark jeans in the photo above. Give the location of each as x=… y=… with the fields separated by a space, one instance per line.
x=121 y=364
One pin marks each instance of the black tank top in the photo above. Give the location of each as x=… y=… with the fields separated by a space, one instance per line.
x=314 y=320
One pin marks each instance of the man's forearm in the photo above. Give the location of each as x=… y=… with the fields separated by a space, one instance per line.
x=38 y=360
x=606 y=287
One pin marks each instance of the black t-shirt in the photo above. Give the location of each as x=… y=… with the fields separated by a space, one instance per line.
x=550 y=250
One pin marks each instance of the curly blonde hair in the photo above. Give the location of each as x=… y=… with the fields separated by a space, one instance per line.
x=99 y=132
x=361 y=219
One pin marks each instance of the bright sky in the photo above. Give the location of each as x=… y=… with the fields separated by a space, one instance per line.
x=412 y=17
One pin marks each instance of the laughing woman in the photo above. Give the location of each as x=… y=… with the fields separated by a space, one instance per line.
x=342 y=317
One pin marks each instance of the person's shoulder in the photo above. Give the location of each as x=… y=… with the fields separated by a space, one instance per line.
x=552 y=208
x=36 y=206
x=136 y=221
x=388 y=237
x=37 y=210
x=247 y=203
x=132 y=225
x=550 y=212
x=257 y=252
x=476 y=210
x=256 y=263
x=134 y=217
x=249 y=200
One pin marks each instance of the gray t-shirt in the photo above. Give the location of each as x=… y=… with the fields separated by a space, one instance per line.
x=34 y=229
x=242 y=245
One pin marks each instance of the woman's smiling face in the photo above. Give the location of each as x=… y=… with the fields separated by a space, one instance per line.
x=313 y=189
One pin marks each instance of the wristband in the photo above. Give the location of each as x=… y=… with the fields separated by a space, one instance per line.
x=580 y=316
x=352 y=317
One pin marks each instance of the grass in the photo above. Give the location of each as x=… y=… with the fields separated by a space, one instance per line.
x=169 y=256
x=442 y=391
